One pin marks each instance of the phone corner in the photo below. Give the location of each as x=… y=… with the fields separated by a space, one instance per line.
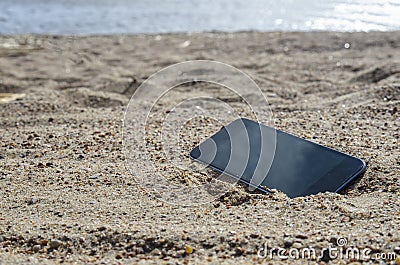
x=363 y=166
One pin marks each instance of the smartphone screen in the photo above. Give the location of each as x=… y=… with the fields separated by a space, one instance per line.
x=247 y=150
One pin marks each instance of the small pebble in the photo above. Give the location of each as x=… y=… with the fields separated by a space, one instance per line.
x=188 y=249
x=36 y=248
x=297 y=245
x=254 y=235
x=397 y=250
x=287 y=243
x=155 y=252
x=55 y=244
x=301 y=236
x=32 y=201
x=59 y=214
x=239 y=251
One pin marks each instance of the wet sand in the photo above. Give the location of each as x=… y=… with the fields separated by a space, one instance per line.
x=67 y=196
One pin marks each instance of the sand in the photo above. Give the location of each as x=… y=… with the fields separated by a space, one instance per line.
x=67 y=195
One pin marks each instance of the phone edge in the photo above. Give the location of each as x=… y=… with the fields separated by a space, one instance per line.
x=354 y=175
x=230 y=175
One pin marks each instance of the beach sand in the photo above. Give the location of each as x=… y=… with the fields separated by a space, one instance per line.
x=67 y=196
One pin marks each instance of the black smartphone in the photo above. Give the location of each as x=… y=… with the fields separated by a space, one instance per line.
x=262 y=156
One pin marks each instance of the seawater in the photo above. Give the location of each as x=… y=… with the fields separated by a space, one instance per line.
x=161 y=16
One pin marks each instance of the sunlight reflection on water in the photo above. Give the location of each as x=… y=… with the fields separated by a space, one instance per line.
x=154 y=16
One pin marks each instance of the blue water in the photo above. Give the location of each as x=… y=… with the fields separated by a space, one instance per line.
x=160 y=16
